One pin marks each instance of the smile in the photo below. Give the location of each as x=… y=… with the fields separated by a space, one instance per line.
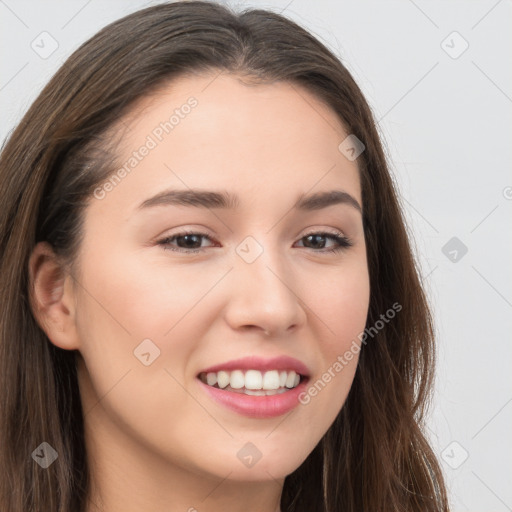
x=256 y=387
x=253 y=382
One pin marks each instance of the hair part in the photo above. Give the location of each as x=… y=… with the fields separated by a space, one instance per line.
x=374 y=456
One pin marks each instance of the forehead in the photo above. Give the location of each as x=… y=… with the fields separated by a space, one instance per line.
x=216 y=131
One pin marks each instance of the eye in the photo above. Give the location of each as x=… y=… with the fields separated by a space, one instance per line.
x=342 y=242
x=190 y=241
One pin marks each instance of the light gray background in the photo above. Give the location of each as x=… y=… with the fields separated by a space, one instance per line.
x=445 y=117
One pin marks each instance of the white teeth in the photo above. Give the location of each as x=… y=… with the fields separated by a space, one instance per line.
x=271 y=380
x=253 y=379
x=222 y=379
x=211 y=378
x=237 y=380
x=290 y=380
x=254 y=382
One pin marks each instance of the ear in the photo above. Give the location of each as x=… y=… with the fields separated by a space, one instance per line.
x=52 y=297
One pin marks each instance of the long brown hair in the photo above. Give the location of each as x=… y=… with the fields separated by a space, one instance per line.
x=375 y=455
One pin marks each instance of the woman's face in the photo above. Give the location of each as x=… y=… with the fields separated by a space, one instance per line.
x=151 y=317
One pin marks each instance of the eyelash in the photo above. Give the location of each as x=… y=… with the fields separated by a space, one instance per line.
x=342 y=241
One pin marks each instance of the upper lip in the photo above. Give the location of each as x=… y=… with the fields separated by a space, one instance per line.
x=262 y=364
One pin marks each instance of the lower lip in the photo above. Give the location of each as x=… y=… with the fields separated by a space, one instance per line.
x=257 y=406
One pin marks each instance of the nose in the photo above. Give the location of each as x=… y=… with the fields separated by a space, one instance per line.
x=265 y=296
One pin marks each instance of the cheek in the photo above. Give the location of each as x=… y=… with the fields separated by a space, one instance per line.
x=145 y=299
x=340 y=304
x=340 y=300
x=124 y=315
x=134 y=313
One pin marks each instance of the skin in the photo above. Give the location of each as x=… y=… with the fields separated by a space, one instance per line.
x=155 y=440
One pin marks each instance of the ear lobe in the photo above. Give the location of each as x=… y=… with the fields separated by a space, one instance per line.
x=51 y=297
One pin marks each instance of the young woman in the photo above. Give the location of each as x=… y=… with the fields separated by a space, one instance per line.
x=208 y=296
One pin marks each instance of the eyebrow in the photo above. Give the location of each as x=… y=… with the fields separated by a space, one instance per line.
x=222 y=199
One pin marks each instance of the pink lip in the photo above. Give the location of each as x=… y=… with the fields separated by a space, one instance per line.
x=258 y=363
x=257 y=406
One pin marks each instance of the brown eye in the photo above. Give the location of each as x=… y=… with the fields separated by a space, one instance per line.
x=188 y=241
x=315 y=239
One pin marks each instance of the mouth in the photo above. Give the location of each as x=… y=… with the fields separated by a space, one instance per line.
x=256 y=387
x=254 y=382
